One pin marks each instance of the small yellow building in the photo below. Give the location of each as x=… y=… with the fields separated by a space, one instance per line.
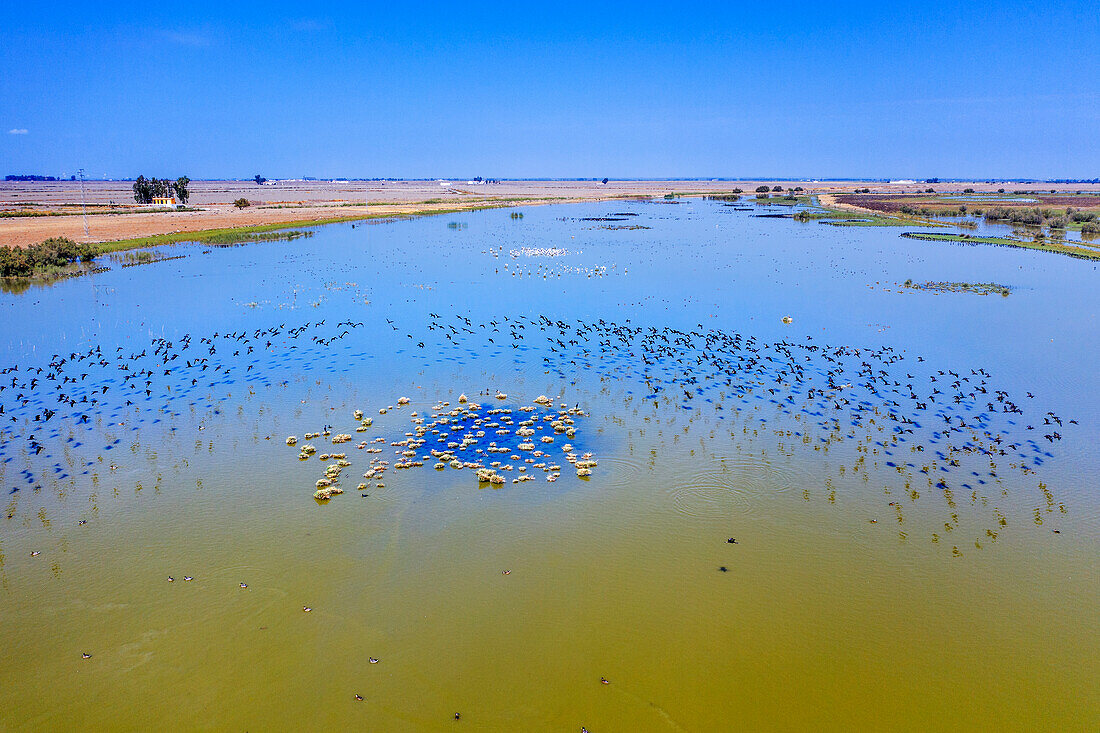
x=166 y=201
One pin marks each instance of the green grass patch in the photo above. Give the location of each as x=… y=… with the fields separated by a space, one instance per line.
x=836 y=217
x=966 y=238
x=782 y=200
x=1041 y=244
x=228 y=239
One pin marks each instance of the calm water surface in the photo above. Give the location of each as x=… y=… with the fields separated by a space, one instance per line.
x=910 y=479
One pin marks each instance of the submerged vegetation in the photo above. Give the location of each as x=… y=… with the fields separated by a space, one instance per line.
x=144 y=257
x=955 y=287
x=231 y=238
x=965 y=238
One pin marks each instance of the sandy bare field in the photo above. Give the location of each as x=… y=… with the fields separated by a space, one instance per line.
x=286 y=201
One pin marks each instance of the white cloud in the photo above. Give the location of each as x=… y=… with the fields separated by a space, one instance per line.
x=17 y=131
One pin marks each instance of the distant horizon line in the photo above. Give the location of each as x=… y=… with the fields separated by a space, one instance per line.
x=40 y=178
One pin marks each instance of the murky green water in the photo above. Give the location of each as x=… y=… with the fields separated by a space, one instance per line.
x=909 y=477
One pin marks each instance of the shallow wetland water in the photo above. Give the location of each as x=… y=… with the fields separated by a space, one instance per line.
x=881 y=514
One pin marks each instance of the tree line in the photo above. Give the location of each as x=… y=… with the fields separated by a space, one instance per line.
x=146 y=189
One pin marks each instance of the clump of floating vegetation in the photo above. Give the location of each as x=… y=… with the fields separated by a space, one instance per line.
x=621 y=227
x=517 y=214
x=144 y=257
x=231 y=239
x=457 y=225
x=953 y=287
x=966 y=238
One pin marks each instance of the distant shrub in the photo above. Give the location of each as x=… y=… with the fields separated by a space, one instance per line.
x=762 y=189
x=777 y=188
x=241 y=203
x=929 y=190
x=1031 y=216
x=968 y=190
x=1090 y=227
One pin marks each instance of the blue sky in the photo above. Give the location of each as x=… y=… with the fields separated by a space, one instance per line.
x=1009 y=89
